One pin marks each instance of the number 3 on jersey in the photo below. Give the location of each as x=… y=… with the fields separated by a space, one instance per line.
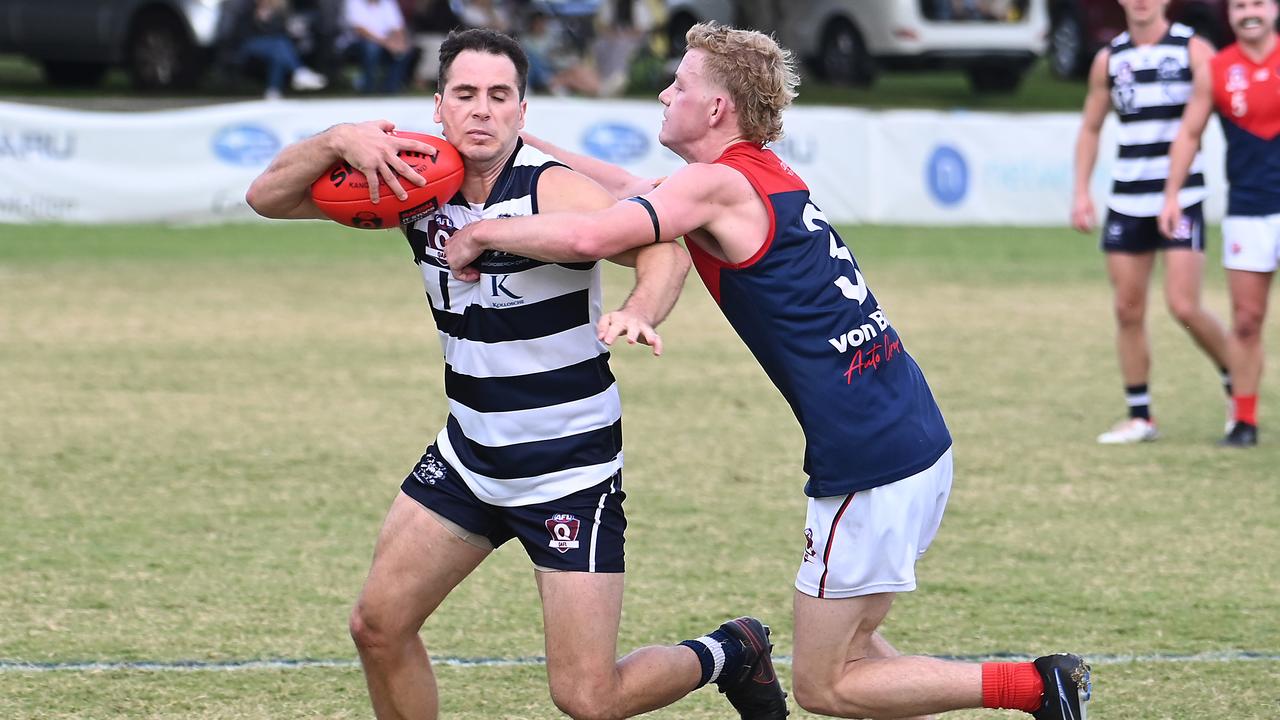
x=854 y=288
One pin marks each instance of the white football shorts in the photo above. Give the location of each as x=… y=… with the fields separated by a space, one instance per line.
x=868 y=542
x=1251 y=242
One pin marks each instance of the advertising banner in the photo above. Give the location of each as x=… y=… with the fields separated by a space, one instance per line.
x=894 y=167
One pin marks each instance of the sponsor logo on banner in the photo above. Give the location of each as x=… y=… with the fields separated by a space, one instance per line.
x=564 y=532
x=37 y=207
x=946 y=174
x=36 y=145
x=245 y=144
x=615 y=142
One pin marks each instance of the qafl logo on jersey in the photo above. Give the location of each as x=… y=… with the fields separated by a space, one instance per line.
x=1169 y=70
x=564 y=532
x=439 y=230
x=1237 y=78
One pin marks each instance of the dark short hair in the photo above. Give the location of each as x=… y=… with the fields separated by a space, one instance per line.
x=485 y=41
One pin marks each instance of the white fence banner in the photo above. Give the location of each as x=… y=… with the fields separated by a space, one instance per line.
x=899 y=167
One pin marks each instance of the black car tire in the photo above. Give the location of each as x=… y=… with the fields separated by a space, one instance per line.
x=161 y=54
x=1068 y=49
x=843 y=58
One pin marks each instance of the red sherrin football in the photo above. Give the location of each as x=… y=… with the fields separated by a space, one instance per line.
x=342 y=193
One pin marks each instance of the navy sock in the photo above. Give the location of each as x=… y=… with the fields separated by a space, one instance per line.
x=1139 y=401
x=716 y=651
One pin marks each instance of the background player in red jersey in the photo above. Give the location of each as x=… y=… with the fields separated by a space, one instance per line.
x=794 y=293
x=1244 y=87
x=1145 y=75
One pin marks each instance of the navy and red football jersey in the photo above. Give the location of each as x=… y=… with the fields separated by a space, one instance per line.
x=1247 y=97
x=804 y=309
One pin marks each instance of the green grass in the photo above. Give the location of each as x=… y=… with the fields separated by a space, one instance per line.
x=200 y=429
x=1041 y=91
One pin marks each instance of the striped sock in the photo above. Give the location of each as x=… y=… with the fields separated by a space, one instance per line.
x=1226 y=380
x=1139 y=401
x=715 y=652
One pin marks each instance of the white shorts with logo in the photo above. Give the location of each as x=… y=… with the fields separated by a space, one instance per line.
x=868 y=542
x=1251 y=242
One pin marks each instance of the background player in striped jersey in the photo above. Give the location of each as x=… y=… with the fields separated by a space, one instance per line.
x=1244 y=87
x=533 y=444
x=878 y=454
x=1146 y=75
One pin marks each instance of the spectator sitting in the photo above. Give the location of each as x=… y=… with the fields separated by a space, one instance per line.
x=379 y=41
x=430 y=22
x=491 y=14
x=553 y=67
x=258 y=34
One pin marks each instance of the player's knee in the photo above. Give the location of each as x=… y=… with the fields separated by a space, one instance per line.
x=1129 y=313
x=1246 y=325
x=1183 y=310
x=583 y=699
x=822 y=698
x=369 y=631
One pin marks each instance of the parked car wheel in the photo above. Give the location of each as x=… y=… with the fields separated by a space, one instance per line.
x=996 y=79
x=1068 y=51
x=161 y=55
x=843 y=57
x=74 y=74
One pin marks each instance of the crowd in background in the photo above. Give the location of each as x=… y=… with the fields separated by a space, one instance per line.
x=594 y=48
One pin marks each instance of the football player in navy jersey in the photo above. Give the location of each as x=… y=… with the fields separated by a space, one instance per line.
x=1146 y=75
x=532 y=449
x=877 y=452
x=1244 y=87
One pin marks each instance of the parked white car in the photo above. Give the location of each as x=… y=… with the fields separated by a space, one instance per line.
x=849 y=41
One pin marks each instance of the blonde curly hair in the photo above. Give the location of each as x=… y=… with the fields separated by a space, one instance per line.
x=759 y=74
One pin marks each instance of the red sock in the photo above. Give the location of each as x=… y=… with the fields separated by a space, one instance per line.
x=1247 y=409
x=1012 y=686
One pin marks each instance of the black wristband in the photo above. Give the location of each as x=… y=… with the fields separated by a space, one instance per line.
x=653 y=216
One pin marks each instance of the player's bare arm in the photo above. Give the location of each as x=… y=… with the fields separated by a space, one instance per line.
x=1185 y=146
x=616 y=180
x=283 y=189
x=660 y=269
x=715 y=198
x=1096 y=104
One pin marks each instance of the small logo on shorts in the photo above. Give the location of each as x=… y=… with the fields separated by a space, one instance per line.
x=809 y=552
x=564 y=532
x=1183 y=231
x=1235 y=248
x=1114 y=231
x=429 y=471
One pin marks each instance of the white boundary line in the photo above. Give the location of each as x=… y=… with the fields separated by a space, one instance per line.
x=12 y=666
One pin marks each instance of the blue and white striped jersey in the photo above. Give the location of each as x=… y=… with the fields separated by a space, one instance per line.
x=534 y=412
x=1150 y=86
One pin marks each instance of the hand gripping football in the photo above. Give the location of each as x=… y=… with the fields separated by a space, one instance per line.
x=342 y=192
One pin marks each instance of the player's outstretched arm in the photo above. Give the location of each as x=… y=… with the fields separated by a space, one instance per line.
x=283 y=190
x=1183 y=150
x=695 y=196
x=618 y=181
x=1096 y=104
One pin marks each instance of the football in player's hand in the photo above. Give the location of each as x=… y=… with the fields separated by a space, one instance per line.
x=342 y=192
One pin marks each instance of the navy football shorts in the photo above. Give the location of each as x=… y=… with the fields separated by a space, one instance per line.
x=1129 y=234
x=581 y=532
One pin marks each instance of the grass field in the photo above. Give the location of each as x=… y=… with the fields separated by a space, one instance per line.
x=200 y=430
